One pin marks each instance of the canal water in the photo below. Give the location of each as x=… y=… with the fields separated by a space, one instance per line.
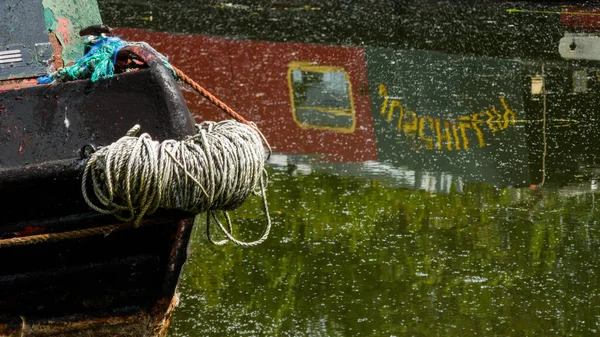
x=434 y=167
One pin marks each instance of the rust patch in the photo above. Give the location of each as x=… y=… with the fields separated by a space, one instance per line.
x=30 y=230
x=154 y=322
x=75 y=326
x=17 y=84
x=57 y=60
x=163 y=314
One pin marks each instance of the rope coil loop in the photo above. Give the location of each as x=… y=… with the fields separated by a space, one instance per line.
x=228 y=232
x=215 y=169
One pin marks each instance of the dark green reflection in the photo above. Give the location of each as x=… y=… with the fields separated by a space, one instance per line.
x=353 y=257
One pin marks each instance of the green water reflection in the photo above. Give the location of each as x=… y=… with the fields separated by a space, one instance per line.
x=354 y=257
x=410 y=229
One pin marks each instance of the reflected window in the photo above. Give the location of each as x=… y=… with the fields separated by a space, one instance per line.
x=321 y=97
x=580 y=81
x=537 y=85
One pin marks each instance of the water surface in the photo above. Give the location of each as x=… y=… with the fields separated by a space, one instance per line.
x=434 y=171
x=353 y=256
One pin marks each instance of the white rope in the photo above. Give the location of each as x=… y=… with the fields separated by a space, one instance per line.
x=216 y=169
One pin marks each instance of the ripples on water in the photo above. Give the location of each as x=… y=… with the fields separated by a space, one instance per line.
x=355 y=256
x=434 y=174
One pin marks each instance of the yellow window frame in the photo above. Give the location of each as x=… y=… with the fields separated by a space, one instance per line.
x=312 y=67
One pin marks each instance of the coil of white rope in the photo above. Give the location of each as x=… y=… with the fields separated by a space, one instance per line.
x=217 y=169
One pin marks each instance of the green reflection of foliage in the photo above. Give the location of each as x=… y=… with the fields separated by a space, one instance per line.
x=352 y=257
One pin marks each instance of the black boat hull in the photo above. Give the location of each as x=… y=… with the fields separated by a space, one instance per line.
x=65 y=269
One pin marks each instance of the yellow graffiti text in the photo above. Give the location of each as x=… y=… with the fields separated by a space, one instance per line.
x=449 y=134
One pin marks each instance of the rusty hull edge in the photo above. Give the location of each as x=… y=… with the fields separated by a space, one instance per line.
x=153 y=322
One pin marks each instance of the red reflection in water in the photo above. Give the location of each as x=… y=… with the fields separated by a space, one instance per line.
x=252 y=78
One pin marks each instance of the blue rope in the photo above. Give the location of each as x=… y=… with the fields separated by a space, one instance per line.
x=98 y=63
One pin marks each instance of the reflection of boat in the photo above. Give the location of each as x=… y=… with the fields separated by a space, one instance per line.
x=486 y=28
x=328 y=90
x=580 y=18
x=448 y=113
x=580 y=46
x=477 y=116
x=66 y=270
x=579 y=41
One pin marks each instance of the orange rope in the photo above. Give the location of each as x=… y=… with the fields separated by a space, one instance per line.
x=210 y=96
x=220 y=104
